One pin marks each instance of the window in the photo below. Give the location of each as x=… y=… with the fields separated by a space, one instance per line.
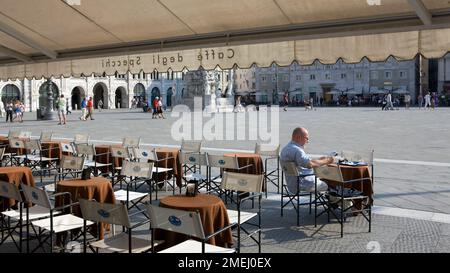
x=343 y=76
x=298 y=78
x=359 y=76
x=286 y=78
x=274 y=78
x=388 y=75
x=263 y=78
x=403 y=74
x=374 y=75
x=312 y=77
x=327 y=76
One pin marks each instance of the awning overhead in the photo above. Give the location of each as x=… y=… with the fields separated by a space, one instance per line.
x=71 y=37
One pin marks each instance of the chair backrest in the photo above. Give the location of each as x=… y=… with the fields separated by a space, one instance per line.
x=67 y=148
x=145 y=154
x=16 y=143
x=120 y=152
x=36 y=196
x=181 y=221
x=79 y=138
x=137 y=169
x=220 y=161
x=33 y=145
x=13 y=134
x=199 y=159
x=114 y=214
x=191 y=146
x=326 y=172
x=46 y=136
x=25 y=134
x=267 y=150
x=10 y=191
x=365 y=157
x=242 y=182
x=2 y=153
x=289 y=168
x=85 y=149
x=72 y=162
x=130 y=142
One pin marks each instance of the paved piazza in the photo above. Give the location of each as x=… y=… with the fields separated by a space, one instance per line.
x=412 y=170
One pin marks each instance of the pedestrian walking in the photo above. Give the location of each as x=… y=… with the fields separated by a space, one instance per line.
x=100 y=105
x=61 y=103
x=286 y=100
x=9 y=111
x=407 y=101
x=2 y=107
x=90 y=109
x=420 y=101
x=67 y=107
x=83 y=109
x=427 y=100
x=160 y=109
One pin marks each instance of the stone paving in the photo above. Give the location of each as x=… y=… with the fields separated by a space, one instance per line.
x=404 y=136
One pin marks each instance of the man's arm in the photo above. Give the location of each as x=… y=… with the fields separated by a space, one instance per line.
x=313 y=163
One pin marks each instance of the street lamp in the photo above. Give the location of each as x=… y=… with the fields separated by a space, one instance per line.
x=49 y=113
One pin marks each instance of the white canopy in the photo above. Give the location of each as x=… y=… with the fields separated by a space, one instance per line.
x=74 y=37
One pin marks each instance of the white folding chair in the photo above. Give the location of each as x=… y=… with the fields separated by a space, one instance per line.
x=137 y=173
x=188 y=223
x=88 y=151
x=271 y=153
x=251 y=187
x=53 y=224
x=344 y=194
x=81 y=139
x=11 y=191
x=114 y=214
x=46 y=136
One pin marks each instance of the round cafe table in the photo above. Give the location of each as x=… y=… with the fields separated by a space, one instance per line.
x=97 y=188
x=213 y=214
x=16 y=175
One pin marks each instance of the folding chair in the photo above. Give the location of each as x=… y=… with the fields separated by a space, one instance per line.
x=114 y=214
x=36 y=161
x=138 y=173
x=343 y=193
x=131 y=142
x=289 y=169
x=2 y=154
x=21 y=155
x=88 y=151
x=223 y=162
x=46 y=136
x=81 y=139
x=270 y=153
x=250 y=186
x=69 y=165
x=192 y=168
x=189 y=147
x=11 y=191
x=54 y=224
x=118 y=154
x=150 y=155
x=188 y=223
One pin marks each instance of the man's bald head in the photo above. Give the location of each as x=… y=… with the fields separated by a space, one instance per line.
x=300 y=135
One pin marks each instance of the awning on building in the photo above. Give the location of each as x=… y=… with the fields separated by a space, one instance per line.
x=73 y=37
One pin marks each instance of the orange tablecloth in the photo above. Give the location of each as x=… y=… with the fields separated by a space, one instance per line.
x=173 y=163
x=212 y=212
x=16 y=175
x=245 y=159
x=97 y=188
x=52 y=149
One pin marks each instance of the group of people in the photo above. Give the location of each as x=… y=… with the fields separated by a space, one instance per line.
x=430 y=100
x=157 y=108
x=15 y=107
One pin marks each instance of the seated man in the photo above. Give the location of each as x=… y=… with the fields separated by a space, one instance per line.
x=294 y=152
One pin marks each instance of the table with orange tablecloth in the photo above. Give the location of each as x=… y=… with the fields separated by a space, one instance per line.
x=52 y=149
x=104 y=156
x=244 y=159
x=352 y=173
x=16 y=175
x=173 y=162
x=97 y=188
x=213 y=214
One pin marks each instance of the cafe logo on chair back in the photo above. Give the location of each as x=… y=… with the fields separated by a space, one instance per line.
x=192 y=159
x=34 y=195
x=144 y=154
x=17 y=144
x=103 y=213
x=175 y=220
x=221 y=162
x=119 y=152
x=242 y=182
